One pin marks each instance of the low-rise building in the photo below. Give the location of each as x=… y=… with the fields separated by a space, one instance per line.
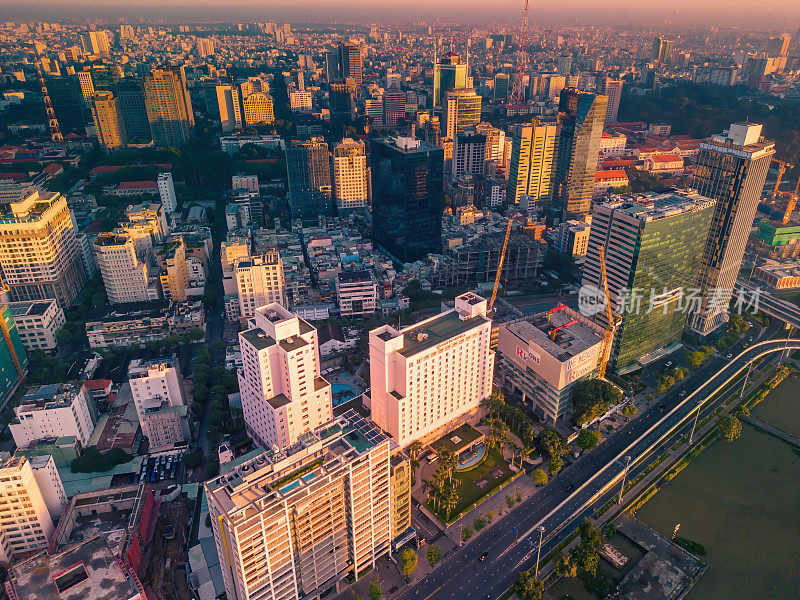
x=664 y=164
x=157 y=388
x=38 y=323
x=604 y=180
x=542 y=357
x=356 y=293
x=122 y=327
x=780 y=276
x=54 y=410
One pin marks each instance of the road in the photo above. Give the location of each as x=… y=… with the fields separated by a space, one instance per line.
x=575 y=493
x=769 y=304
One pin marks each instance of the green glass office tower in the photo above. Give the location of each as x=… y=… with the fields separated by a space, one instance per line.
x=580 y=129
x=308 y=166
x=448 y=74
x=9 y=377
x=654 y=250
x=130 y=92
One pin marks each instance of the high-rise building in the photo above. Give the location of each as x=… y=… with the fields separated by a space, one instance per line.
x=69 y=105
x=95 y=42
x=351 y=179
x=134 y=110
x=283 y=394
x=333 y=67
x=157 y=389
x=53 y=411
x=613 y=89
x=169 y=108
x=230 y=107
x=259 y=281
x=502 y=83
x=205 y=47
x=531 y=168
x=407 y=196
x=652 y=260
x=309 y=172
x=449 y=73
x=495 y=149
x=778 y=46
x=25 y=523
x=171 y=257
x=461 y=110
x=580 y=129
x=661 y=51
x=431 y=375
x=257 y=109
x=166 y=192
x=39 y=253
x=341 y=95
x=293 y=522
x=300 y=101
x=350 y=53
x=108 y=121
x=125 y=277
x=731 y=168
x=469 y=154
x=564 y=64
x=394 y=107
x=555 y=85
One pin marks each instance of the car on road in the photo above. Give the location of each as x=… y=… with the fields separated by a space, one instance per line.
x=729 y=356
x=570 y=487
x=483 y=556
x=662 y=408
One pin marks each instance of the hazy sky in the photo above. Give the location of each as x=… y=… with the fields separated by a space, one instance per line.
x=775 y=13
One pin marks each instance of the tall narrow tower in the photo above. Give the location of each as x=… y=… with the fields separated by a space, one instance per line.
x=52 y=122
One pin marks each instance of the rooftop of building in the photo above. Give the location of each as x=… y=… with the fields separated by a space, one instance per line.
x=111 y=239
x=30 y=209
x=434 y=331
x=283 y=473
x=561 y=332
x=652 y=207
x=258 y=338
x=52 y=395
x=88 y=571
x=354 y=276
x=140 y=366
x=30 y=308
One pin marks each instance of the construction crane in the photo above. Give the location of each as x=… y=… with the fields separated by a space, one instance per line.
x=782 y=166
x=608 y=336
x=500 y=262
x=790 y=204
x=517 y=96
x=7 y=333
x=52 y=121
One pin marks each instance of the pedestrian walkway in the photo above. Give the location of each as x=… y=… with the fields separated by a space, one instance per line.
x=772 y=430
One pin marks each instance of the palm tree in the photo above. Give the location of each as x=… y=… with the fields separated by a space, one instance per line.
x=414 y=451
x=448 y=461
x=450 y=498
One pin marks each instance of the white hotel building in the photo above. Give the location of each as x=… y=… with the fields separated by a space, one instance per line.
x=433 y=375
x=157 y=388
x=283 y=393
x=54 y=410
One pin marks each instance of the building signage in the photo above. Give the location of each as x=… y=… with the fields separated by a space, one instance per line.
x=528 y=355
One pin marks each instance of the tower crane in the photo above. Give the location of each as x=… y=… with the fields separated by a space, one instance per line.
x=611 y=328
x=517 y=96
x=790 y=204
x=52 y=121
x=782 y=166
x=500 y=262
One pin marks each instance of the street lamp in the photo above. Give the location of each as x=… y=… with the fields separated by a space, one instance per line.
x=697 y=414
x=744 y=385
x=539 y=551
x=624 y=475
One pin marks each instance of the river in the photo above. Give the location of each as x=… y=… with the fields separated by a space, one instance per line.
x=742 y=502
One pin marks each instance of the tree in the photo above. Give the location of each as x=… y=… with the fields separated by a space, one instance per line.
x=730 y=428
x=539 y=476
x=629 y=410
x=592 y=397
x=590 y=535
x=434 y=555
x=588 y=439
x=408 y=562
x=498 y=433
x=695 y=359
x=566 y=566
x=414 y=452
x=555 y=464
x=527 y=587
x=375 y=591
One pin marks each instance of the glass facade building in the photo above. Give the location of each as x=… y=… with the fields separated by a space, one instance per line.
x=407 y=197
x=308 y=168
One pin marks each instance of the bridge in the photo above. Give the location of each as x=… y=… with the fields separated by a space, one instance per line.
x=769 y=304
x=772 y=430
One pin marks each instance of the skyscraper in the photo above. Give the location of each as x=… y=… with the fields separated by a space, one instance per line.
x=613 y=89
x=309 y=172
x=350 y=175
x=95 y=42
x=351 y=62
x=169 y=109
x=449 y=73
x=407 y=196
x=661 y=51
x=461 y=110
x=69 y=105
x=341 y=99
x=531 y=171
x=731 y=168
x=259 y=281
x=580 y=129
x=230 y=107
x=283 y=394
x=257 y=109
x=108 y=121
x=501 y=86
x=778 y=46
x=134 y=110
x=652 y=260
x=39 y=253
x=394 y=106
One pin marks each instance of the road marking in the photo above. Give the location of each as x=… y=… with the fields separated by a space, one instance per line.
x=433 y=592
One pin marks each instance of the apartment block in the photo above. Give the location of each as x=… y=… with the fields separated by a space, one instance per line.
x=108 y=121
x=351 y=179
x=289 y=524
x=54 y=410
x=432 y=375
x=230 y=107
x=283 y=393
x=166 y=192
x=38 y=323
x=25 y=522
x=259 y=281
x=531 y=166
x=157 y=388
x=39 y=253
x=125 y=277
x=356 y=293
